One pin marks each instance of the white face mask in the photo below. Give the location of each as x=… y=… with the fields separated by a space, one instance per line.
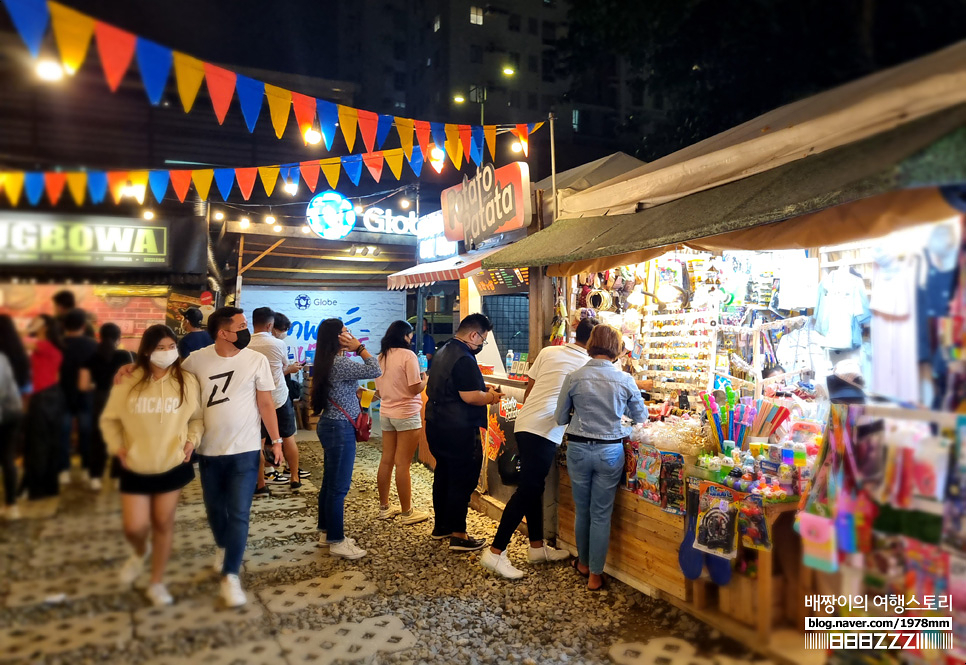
x=164 y=359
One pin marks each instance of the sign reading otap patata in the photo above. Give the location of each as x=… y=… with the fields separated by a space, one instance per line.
x=496 y=200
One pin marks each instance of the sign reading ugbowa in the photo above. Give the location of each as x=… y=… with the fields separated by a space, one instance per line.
x=494 y=201
x=94 y=241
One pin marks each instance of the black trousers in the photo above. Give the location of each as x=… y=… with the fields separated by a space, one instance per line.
x=459 y=459
x=536 y=458
x=42 y=451
x=9 y=432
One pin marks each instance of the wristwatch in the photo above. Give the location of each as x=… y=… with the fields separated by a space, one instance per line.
x=362 y=347
x=278 y=440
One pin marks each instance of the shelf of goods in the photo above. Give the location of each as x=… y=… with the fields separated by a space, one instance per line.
x=678 y=350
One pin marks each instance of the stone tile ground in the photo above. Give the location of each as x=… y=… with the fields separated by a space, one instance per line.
x=409 y=601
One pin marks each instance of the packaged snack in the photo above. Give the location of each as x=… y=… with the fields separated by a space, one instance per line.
x=673 y=498
x=717 y=521
x=752 y=525
x=630 y=466
x=649 y=473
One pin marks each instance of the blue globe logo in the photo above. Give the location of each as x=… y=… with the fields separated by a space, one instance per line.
x=303 y=302
x=330 y=215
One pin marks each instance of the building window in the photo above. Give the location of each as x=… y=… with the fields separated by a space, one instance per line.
x=476 y=53
x=575 y=119
x=548 y=67
x=513 y=23
x=533 y=25
x=515 y=60
x=533 y=64
x=476 y=15
x=549 y=3
x=429 y=62
x=532 y=101
x=436 y=23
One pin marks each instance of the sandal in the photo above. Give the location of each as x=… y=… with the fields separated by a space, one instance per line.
x=603 y=584
x=574 y=563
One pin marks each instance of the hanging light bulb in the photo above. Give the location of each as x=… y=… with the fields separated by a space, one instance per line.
x=49 y=70
x=269 y=219
x=516 y=146
x=306 y=229
x=404 y=204
x=357 y=209
x=312 y=136
x=437 y=158
x=244 y=223
x=291 y=188
x=148 y=215
x=219 y=216
x=277 y=228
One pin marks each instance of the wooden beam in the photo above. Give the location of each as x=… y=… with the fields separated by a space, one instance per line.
x=258 y=258
x=323 y=271
x=340 y=257
x=238 y=274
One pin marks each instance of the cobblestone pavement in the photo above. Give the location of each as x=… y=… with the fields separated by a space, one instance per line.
x=409 y=601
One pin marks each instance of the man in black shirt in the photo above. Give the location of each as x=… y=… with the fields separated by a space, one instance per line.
x=64 y=303
x=79 y=406
x=455 y=412
x=196 y=336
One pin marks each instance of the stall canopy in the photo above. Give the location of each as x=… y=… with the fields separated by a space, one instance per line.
x=858 y=187
x=456 y=267
x=586 y=176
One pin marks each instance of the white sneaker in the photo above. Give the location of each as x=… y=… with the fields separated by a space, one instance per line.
x=134 y=566
x=547 y=554
x=96 y=484
x=347 y=549
x=158 y=595
x=387 y=513
x=500 y=564
x=414 y=517
x=64 y=478
x=218 y=561
x=231 y=591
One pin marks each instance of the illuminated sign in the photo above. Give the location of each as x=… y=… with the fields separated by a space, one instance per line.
x=378 y=220
x=502 y=281
x=330 y=215
x=494 y=201
x=431 y=243
x=98 y=241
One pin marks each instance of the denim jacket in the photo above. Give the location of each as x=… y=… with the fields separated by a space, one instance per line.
x=597 y=395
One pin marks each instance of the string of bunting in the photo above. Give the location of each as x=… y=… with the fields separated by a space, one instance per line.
x=98 y=184
x=73 y=32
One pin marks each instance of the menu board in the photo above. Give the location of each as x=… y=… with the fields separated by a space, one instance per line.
x=502 y=281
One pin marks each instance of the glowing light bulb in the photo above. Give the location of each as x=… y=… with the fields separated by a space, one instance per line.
x=244 y=223
x=291 y=188
x=306 y=229
x=459 y=99
x=219 y=216
x=404 y=204
x=436 y=155
x=148 y=215
x=312 y=136
x=358 y=209
x=277 y=228
x=516 y=146
x=509 y=71
x=49 y=70
x=666 y=293
x=269 y=219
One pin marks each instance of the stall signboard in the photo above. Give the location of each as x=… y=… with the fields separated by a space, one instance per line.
x=330 y=215
x=73 y=240
x=381 y=220
x=431 y=241
x=496 y=200
x=502 y=281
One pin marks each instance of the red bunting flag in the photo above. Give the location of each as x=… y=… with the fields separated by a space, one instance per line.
x=422 y=137
x=373 y=162
x=180 y=182
x=368 y=124
x=523 y=133
x=304 y=107
x=310 y=173
x=466 y=139
x=54 y=183
x=246 y=180
x=116 y=182
x=116 y=49
x=221 y=88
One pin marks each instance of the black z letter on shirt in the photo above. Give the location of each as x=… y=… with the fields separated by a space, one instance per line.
x=223 y=388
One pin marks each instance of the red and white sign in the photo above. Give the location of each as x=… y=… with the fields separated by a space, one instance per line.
x=494 y=201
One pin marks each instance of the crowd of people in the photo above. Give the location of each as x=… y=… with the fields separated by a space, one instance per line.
x=223 y=397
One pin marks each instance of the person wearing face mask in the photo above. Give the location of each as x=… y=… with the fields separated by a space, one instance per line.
x=455 y=412
x=44 y=412
x=152 y=422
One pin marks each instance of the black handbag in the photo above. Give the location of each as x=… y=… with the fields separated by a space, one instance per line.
x=508 y=464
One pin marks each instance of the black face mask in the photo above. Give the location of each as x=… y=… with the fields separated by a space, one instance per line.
x=476 y=351
x=242 y=338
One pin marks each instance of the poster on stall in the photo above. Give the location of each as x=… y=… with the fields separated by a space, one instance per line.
x=367 y=314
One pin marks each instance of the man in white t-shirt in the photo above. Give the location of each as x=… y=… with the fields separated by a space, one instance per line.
x=236 y=394
x=538 y=436
x=275 y=351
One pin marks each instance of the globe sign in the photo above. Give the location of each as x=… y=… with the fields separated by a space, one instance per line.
x=330 y=215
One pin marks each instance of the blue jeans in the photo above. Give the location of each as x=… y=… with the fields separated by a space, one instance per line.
x=595 y=472
x=338 y=439
x=228 y=485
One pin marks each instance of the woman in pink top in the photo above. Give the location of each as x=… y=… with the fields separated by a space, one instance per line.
x=400 y=387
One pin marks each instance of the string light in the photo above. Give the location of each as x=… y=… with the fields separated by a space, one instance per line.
x=404 y=204
x=277 y=228
x=49 y=70
x=244 y=223
x=459 y=99
x=306 y=229
x=312 y=136
x=357 y=209
x=148 y=215
x=516 y=146
x=437 y=158
x=269 y=219
x=291 y=188
x=219 y=216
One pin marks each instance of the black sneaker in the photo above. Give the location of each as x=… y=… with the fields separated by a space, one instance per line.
x=302 y=473
x=439 y=535
x=262 y=491
x=279 y=479
x=465 y=544
x=295 y=487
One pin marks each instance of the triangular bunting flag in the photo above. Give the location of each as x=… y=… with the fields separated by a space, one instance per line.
x=439 y=134
x=97 y=185
x=304 y=107
x=279 y=102
x=328 y=118
x=353 y=167
x=221 y=88
x=523 y=133
x=416 y=161
x=385 y=124
x=77 y=186
x=189 y=73
x=30 y=18
x=422 y=137
x=489 y=132
x=269 y=176
x=404 y=127
x=116 y=182
x=139 y=181
x=290 y=174
x=246 y=180
x=34 y=186
x=310 y=173
x=347 y=121
x=224 y=179
x=368 y=126
x=154 y=62
x=476 y=148
x=202 y=179
x=466 y=136
x=374 y=162
x=54 y=184
x=116 y=49
x=250 y=94
x=158 y=180
x=394 y=158
x=73 y=32
x=13 y=186
x=453 y=147
x=331 y=169
x=180 y=182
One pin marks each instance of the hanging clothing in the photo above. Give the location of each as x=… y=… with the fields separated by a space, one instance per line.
x=895 y=372
x=803 y=349
x=842 y=309
x=934 y=294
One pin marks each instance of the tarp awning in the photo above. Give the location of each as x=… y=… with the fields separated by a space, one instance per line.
x=424 y=274
x=928 y=152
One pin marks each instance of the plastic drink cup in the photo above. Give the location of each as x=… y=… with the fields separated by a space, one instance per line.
x=365 y=399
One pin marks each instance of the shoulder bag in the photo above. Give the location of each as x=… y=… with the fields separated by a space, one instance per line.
x=362 y=424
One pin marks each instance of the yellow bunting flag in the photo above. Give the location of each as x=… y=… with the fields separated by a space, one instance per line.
x=489 y=133
x=348 y=118
x=279 y=103
x=394 y=158
x=139 y=179
x=331 y=169
x=77 y=184
x=72 y=32
x=189 y=72
x=404 y=127
x=13 y=186
x=453 y=147
x=202 y=180
x=269 y=176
